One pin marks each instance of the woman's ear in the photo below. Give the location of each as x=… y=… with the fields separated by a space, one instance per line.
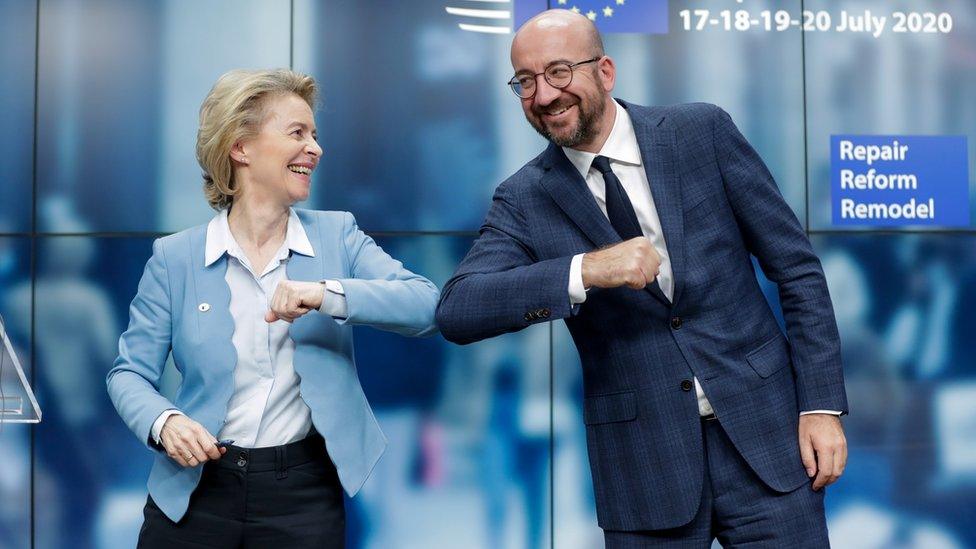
x=238 y=154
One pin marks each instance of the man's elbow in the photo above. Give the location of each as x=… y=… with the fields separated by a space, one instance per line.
x=454 y=326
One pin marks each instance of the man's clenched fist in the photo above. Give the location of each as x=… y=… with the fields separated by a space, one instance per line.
x=633 y=263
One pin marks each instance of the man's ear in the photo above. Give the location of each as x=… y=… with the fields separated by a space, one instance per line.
x=608 y=73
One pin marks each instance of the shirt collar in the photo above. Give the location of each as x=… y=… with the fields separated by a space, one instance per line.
x=220 y=240
x=621 y=145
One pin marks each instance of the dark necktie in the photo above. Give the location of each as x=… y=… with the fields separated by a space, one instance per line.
x=621 y=214
x=619 y=209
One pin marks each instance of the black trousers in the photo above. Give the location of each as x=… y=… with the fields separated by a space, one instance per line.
x=284 y=496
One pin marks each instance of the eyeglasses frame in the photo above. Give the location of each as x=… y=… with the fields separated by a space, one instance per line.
x=572 y=70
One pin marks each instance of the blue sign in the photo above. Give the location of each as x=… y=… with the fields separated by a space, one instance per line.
x=899 y=180
x=616 y=16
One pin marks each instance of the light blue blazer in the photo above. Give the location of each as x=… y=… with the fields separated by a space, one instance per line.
x=166 y=315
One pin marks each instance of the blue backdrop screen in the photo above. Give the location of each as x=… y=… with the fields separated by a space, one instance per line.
x=487 y=446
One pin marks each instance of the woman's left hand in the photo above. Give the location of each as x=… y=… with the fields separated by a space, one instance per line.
x=293 y=299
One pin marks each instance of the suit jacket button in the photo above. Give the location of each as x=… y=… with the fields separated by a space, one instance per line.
x=686 y=385
x=527 y=317
x=545 y=313
x=676 y=322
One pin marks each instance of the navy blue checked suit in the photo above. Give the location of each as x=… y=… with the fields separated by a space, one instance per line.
x=718 y=205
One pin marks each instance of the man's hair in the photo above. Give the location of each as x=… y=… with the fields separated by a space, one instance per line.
x=596 y=41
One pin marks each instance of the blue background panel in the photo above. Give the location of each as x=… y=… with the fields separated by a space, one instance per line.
x=120 y=87
x=487 y=447
x=17 y=42
x=896 y=84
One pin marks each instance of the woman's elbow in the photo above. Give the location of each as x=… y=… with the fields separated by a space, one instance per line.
x=110 y=377
x=114 y=383
x=426 y=324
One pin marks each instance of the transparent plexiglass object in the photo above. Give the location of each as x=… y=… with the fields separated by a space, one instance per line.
x=17 y=401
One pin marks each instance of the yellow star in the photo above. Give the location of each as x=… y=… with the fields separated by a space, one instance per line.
x=575 y=9
x=620 y=2
x=592 y=15
x=562 y=2
x=608 y=11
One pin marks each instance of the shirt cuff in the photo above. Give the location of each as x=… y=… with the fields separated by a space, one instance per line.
x=577 y=293
x=831 y=412
x=157 y=426
x=334 y=300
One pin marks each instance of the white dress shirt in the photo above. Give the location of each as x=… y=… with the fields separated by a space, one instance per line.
x=265 y=408
x=625 y=160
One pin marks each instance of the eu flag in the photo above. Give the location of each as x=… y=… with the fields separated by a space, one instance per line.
x=617 y=16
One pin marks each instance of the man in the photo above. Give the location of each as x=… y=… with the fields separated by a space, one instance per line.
x=636 y=226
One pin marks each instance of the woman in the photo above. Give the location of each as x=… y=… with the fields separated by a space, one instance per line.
x=257 y=307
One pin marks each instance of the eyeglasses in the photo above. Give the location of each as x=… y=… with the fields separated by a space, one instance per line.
x=558 y=75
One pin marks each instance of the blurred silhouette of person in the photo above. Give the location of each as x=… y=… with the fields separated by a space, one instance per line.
x=75 y=332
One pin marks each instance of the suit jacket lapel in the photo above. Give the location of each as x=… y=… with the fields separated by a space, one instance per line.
x=568 y=189
x=212 y=296
x=657 y=146
x=305 y=268
x=215 y=324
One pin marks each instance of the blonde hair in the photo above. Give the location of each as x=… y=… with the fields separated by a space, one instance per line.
x=234 y=110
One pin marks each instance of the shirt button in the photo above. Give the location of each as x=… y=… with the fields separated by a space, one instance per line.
x=686 y=385
x=676 y=322
x=203 y=307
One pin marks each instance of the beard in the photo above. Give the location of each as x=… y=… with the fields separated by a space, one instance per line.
x=590 y=114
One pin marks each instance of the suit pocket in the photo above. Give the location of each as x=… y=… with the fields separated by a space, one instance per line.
x=316 y=468
x=610 y=408
x=695 y=201
x=770 y=357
